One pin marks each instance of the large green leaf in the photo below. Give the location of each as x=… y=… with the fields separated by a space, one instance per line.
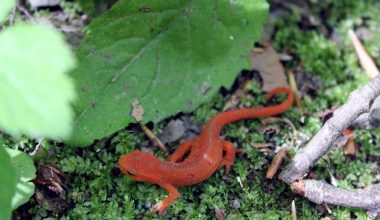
x=7 y=184
x=25 y=172
x=35 y=94
x=170 y=55
x=5 y=7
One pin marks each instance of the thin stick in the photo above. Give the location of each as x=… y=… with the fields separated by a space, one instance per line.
x=293 y=86
x=365 y=60
x=153 y=138
x=22 y=9
x=294 y=211
x=37 y=148
x=368 y=120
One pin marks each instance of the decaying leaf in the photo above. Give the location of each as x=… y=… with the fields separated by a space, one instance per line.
x=219 y=213
x=288 y=122
x=267 y=63
x=269 y=131
x=350 y=148
x=326 y=114
x=51 y=184
x=236 y=96
x=52 y=177
x=137 y=110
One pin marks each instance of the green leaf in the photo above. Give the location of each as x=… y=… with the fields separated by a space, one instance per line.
x=169 y=55
x=35 y=94
x=5 y=7
x=7 y=184
x=25 y=172
x=2 y=140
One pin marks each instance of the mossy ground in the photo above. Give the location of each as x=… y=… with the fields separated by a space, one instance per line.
x=97 y=190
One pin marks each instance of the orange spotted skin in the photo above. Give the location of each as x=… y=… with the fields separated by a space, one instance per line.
x=206 y=153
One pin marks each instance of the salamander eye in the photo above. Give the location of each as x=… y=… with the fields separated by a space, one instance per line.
x=130 y=173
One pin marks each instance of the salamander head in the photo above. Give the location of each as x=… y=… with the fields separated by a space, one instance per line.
x=138 y=165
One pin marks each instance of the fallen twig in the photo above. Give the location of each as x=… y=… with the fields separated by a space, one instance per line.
x=358 y=103
x=37 y=148
x=25 y=11
x=153 y=138
x=365 y=59
x=293 y=85
x=294 y=211
x=320 y=192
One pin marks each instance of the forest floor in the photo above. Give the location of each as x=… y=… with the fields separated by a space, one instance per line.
x=311 y=40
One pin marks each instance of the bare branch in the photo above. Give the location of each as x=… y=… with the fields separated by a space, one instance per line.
x=320 y=192
x=358 y=103
x=369 y=120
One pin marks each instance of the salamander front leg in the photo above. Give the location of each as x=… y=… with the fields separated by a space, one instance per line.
x=173 y=195
x=229 y=158
x=181 y=150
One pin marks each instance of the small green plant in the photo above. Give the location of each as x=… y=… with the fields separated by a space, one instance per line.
x=35 y=97
x=25 y=172
x=7 y=184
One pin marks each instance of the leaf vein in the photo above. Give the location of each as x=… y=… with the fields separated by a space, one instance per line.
x=164 y=30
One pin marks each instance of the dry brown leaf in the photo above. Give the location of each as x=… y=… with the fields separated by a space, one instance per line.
x=219 y=213
x=267 y=63
x=270 y=120
x=350 y=147
x=240 y=92
x=137 y=110
x=50 y=187
x=276 y=162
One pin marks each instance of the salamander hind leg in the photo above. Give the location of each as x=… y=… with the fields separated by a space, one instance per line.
x=229 y=157
x=181 y=150
x=173 y=195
